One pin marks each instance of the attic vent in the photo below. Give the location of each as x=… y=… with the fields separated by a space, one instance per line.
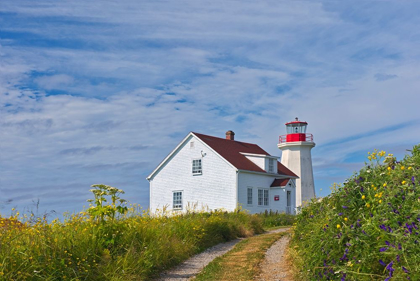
x=192 y=144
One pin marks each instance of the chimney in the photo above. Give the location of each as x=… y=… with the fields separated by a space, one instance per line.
x=230 y=135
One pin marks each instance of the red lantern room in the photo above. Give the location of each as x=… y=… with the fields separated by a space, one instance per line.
x=296 y=131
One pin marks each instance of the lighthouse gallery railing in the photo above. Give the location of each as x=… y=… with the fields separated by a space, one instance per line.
x=299 y=137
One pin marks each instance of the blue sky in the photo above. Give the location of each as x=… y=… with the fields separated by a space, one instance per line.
x=101 y=91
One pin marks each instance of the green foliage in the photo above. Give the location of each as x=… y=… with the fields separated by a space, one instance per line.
x=368 y=228
x=101 y=211
x=112 y=242
x=274 y=219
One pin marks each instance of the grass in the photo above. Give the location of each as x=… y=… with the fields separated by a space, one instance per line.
x=241 y=263
x=113 y=242
x=368 y=228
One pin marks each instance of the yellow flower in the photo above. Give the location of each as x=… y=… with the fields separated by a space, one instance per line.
x=370 y=158
x=363 y=197
x=338 y=226
x=384 y=185
x=380 y=201
x=368 y=205
x=345 y=219
x=402 y=167
x=374 y=188
x=410 y=168
x=376 y=195
x=389 y=169
x=403 y=182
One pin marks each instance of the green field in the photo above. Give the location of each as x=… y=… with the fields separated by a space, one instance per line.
x=112 y=241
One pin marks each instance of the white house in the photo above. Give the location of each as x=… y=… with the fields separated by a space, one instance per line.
x=221 y=173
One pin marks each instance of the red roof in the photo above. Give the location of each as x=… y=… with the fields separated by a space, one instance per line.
x=279 y=182
x=231 y=151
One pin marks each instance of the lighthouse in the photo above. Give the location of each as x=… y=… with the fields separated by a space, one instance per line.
x=296 y=155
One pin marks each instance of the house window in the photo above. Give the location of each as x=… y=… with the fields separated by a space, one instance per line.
x=192 y=144
x=271 y=165
x=196 y=167
x=249 y=196
x=262 y=197
x=177 y=200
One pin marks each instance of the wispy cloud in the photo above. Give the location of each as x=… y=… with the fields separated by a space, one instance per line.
x=101 y=91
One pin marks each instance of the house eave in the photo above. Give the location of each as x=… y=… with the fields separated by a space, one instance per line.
x=274 y=175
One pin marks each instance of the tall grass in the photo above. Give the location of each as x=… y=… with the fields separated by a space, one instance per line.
x=368 y=228
x=99 y=244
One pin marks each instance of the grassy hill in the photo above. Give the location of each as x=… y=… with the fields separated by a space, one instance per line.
x=368 y=228
x=112 y=241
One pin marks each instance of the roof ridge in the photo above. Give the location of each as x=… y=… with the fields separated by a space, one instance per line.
x=227 y=140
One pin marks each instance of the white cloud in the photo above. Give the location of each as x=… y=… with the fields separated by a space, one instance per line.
x=135 y=77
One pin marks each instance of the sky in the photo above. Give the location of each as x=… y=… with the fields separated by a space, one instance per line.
x=102 y=91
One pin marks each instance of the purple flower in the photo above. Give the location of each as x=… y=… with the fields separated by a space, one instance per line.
x=382 y=263
x=398 y=258
x=389 y=266
x=340 y=214
x=413 y=180
x=345 y=207
x=383 y=249
x=343 y=278
x=399 y=246
x=410 y=228
x=405 y=269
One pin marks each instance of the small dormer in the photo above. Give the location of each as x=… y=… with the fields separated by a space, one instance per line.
x=266 y=162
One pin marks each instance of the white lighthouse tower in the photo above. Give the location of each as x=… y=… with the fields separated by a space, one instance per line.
x=296 y=155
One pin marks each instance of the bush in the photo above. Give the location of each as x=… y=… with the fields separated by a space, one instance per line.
x=368 y=228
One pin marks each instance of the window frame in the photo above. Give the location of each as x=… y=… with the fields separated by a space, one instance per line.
x=270 y=165
x=264 y=200
x=248 y=197
x=178 y=206
x=197 y=170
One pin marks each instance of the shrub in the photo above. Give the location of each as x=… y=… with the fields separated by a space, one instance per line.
x=368 y=228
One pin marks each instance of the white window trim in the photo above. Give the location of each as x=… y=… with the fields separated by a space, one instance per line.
x=252 y=196
x=182 y=199
x=264 y=190
x=271 y=167
x=201 y=166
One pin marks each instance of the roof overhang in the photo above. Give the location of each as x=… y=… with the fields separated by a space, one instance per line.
x=259 y=155
x=269 y=174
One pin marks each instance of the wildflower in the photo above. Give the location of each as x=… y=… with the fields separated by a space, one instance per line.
x=345 y=219
x=345 y=207
x=410 y=168
x=405 y=269
x=340 y=214
x=402 y=167
x=363 y=197
x=380 y=201
x=338 y=225
x=389 y=168
x=403 y=182
x=383 y=249
x=382 y=263
x=368 y=205
x=384 y=185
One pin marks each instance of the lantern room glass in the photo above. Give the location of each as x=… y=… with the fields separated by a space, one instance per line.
x=296 y=128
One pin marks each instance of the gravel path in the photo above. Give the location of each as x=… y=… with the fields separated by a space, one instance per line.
x=274 y=267
x=195 y=264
